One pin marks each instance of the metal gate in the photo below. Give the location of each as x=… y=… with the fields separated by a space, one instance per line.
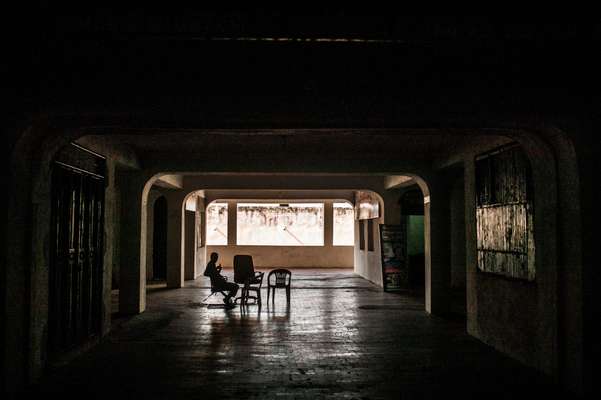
x=76 y=254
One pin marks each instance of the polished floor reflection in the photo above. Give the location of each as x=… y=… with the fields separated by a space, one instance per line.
x=340 y=337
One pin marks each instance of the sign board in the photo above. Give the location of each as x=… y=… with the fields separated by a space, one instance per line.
x=395 y=265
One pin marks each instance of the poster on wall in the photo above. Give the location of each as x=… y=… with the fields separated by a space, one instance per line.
x=395 y=266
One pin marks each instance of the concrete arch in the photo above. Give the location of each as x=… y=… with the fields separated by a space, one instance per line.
x=556 y=202
x=555 y=162
x=553 y=156
x=572 y=272
x=389 y=200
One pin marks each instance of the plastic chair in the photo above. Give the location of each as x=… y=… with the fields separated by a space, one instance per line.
x=244 y=274
x=282 y=279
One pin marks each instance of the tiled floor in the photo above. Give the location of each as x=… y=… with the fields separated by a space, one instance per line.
x=341 y=337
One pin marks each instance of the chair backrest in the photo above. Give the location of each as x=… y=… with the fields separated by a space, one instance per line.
x=243 y=268
x=282 y=277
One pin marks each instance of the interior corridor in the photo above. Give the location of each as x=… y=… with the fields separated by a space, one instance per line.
x=341 y=337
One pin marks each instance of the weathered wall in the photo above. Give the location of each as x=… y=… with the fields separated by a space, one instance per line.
x=514 y=316
x=327 y=256
x=368 y=264
x=577 y=147
x=39 y=275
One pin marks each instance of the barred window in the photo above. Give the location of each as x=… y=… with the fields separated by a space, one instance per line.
x=504 y=214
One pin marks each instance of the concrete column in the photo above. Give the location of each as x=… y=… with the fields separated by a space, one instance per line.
x=232 y=213
x=175 y=245
x=190 y=245
x=199 y=240
x=328 y=223
x=132 y=274
x=436 y=227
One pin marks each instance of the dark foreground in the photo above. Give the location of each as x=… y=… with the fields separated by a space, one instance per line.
x=341 y=337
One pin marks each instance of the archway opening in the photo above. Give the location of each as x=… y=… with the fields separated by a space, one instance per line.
x=412 y=219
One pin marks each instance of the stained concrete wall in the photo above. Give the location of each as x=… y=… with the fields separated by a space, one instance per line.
x=368 y=264
x=516 y=317
x=116 y=158
x=288 y=256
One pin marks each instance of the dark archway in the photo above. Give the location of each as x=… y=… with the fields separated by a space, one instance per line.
x=412 y=217
x=159 y=240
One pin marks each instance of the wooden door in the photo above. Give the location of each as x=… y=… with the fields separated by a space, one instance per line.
x=76 y=265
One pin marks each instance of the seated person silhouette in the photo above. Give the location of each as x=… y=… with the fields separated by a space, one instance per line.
x=218 y=281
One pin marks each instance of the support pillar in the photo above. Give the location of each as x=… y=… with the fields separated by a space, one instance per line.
x=328 y=223
x=232 y=215
x=132 y=274
x=436 y=227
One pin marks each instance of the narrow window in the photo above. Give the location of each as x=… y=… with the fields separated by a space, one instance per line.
x=344 y=225
x=217 y=224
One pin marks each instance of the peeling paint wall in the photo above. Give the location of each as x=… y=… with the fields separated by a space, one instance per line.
x=504 y=214
x=515 y=316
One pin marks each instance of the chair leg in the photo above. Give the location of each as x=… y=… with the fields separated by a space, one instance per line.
x=241 y=297
x=246 y=292
x=288 y=295
x=268 y=290
x=206 y=298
